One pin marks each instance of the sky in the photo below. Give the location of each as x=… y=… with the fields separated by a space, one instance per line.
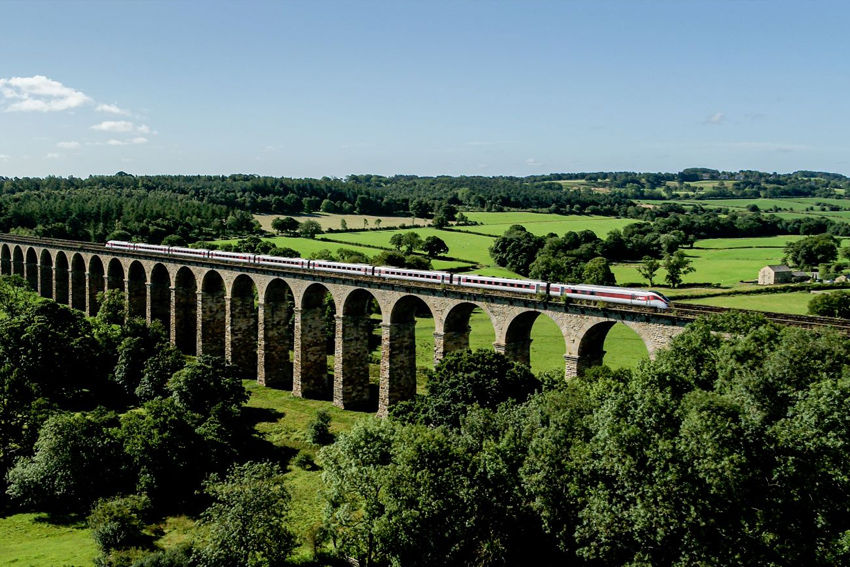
x=313 y=89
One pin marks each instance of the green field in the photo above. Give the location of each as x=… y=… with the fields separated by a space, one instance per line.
x=334 y=221
x=543 y=223
x=795 y=302
x=471 y=247
x=31 y=540
x=788 y=208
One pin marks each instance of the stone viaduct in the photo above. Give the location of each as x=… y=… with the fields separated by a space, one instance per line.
x=255 y=315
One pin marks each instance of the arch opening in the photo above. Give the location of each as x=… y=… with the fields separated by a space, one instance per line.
x=136 y=290
x=242 y=327
x=535 y=341
x=78 y=282
x=61 y=276
x=186 y=311
x=5 y=260
x=355 y=355
x=159 y=302
x=31 y=269
x=315 y=334
x=466 y=327
x=274 y=364
x=613 y=344
x=18 y=261
x=115 y=275
x=212 y=315
x=95 y=283
x=45 y=274
x=399 y=352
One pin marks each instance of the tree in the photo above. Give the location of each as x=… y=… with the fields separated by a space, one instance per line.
x=397 y=240
x=206 y=384
x=516 y=249
x=597 y=272
x=247 y=523
x=118 y=523
x=461 y=379
x=411 y=241
x=835 y=304
x=648 y=268
x=319 y=429
x=677 y=266
x=420 y=208
x=309 y=229
x=434 y=246
x=811 y=251
x=286 y=225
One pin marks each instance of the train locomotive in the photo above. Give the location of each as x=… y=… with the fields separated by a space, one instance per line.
x=607 y=294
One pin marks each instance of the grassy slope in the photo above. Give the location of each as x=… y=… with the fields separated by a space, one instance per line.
x=29 y=539
x=544 y=223
x=796 y=302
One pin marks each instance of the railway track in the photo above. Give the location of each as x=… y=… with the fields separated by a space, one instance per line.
x=804 y=321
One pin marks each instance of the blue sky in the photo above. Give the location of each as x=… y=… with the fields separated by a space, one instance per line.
x=308 y=89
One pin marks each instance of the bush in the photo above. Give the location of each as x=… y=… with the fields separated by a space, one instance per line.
x=117 y=523
x=319 y=429
x=303 y=461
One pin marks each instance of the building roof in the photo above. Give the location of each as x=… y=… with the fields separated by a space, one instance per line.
x=779 y=268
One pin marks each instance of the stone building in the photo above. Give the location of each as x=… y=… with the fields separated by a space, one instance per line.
x=770 y=275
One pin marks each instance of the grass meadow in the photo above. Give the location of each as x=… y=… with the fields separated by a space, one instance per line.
x=32 y=540
x=795 y=302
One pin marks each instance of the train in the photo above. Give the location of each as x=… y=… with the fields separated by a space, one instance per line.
x=607 y=294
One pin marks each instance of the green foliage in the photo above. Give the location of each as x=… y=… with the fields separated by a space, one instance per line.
x=117 y=523
x=598 y=272
x=648 y=268
x=434 y=246
x=319 y=430
x=247 y=522
x=834 y=304
x=677 y=265
x=463 y=379
x=157 y=371
x=309 y=229
x=516 y=249
x=285 y=225
x=77 y=459
x=206 y=385
x=809 y=252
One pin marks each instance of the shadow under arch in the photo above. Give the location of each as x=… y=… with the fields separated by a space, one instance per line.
x=185 y=317
x=61 y=274
x=242 y=327
x=274 y=367
x=159 y=298
x=32 y=268
x=137 y=281
x=95 y=284
x=212 y=315
x=354 y=331
x=18 y=261
x=115 y=275
x=78 y=282
x=45 y=273
x=518 y=339
x=5 y=260
x=314 y=333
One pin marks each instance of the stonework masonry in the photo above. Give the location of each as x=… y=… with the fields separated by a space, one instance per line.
x=246 y=314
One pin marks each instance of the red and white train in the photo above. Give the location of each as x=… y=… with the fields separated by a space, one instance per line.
x=607 y=294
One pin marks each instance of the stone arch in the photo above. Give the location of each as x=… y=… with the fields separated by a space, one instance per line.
x=61 y=275
x=590 y=347
x=354 y=328
x=18 y=261
x=31 y=269
x=115 y=275
x=184 y=322
x=275 y=336
x=137 y=281
x=517 y=338
x=96 y=282
x=398 y=352
x=45 y=273
x=242 y=325
x=454 y=335
x=159 y=297
x=78 y=282
x=5 y=260
x=212 y=315
x=310 y=364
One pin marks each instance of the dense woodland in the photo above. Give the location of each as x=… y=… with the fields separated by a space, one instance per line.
x=730 y=448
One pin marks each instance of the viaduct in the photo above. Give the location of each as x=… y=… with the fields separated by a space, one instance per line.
x=254 y=315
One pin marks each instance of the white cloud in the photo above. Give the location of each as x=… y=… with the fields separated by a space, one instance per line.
x=143 y=129
x=532 y=162
x=4 y=157
x=137 y=140
x=68 y=145
x=113 y=126
x=52 y=155
x=39 y=94
x=717 y=118
x=111 y=109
